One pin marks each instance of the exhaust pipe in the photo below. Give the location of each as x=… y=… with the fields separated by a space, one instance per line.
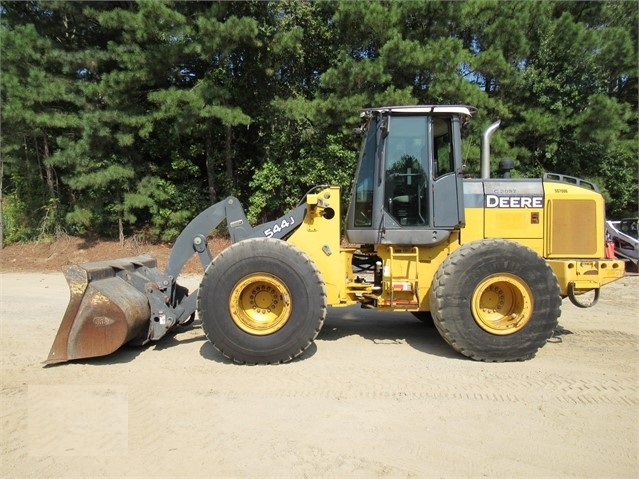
x=485 y=149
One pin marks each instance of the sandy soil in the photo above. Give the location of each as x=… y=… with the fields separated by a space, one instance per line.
x=378 y=395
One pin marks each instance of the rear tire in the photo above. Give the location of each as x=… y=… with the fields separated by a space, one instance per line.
x=495 y=300
x=262 y=301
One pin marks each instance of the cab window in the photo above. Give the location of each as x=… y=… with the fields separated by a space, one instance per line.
x=405 y=170
x=443 y=147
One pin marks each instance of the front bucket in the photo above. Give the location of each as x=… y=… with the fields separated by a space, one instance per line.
x=104 y=312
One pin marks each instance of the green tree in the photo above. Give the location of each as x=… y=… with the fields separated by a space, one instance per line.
x=110 y=166
x=573 y=114
x=39 y=103
x=300 y=146
x=123 y=117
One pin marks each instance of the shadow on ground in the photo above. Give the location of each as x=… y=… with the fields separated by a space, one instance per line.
x=383 y=328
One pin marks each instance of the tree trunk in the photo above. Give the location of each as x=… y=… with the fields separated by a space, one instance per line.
x=229 y=152
x=50 y=177
x=120 y=230
x=210 y=161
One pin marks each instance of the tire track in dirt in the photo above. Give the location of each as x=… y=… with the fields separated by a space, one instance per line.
x=604 y=337
x=66 y=420
x=559 y=390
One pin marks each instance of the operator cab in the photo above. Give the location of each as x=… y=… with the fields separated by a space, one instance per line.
x=408 y=187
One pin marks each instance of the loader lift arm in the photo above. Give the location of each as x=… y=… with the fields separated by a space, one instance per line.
x=193 y=238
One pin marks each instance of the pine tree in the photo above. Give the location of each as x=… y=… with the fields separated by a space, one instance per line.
x=39 y=103
x=125 y=117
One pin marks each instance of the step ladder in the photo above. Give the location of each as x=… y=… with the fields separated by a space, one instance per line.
x=398 y=284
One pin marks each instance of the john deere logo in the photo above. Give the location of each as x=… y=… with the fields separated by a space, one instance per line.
x=494 y=201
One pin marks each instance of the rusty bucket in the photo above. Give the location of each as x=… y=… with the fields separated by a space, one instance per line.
x=107 y=308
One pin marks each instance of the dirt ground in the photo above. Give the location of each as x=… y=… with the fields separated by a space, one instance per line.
x=68 y=250
x=378 y=395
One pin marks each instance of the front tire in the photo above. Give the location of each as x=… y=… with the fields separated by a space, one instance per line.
x=262 y=301
x=495 y=300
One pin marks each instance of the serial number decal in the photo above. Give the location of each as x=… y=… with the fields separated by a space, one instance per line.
x=494 y=201
x=282 y=225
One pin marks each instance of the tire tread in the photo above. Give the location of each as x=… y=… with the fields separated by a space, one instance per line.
x=449 y=271
x=299 y=257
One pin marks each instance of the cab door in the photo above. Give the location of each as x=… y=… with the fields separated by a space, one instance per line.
x=447 y=207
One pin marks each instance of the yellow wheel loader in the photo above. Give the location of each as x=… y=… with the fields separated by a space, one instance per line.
x=488 y=260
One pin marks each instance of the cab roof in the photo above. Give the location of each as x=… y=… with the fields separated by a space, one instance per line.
x=465 y=110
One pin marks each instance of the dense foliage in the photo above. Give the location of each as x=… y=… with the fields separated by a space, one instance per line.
x=123 y=118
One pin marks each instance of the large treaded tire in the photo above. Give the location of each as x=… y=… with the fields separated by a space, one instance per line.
x=262 y=301
x=495 y=300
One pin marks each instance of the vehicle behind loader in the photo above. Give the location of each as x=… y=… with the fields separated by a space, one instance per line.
x=488 y=260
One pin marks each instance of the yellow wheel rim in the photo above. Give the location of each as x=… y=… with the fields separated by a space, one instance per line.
x=502 y=304
x=260 y=304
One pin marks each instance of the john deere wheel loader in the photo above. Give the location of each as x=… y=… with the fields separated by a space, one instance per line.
x=489 y=260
